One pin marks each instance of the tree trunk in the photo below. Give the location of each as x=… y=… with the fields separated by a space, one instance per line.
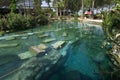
x=109 y=4
x=60 y=13
x=82 y=9
x=93 y=3
x=49 y=6
x=57 y=11
x=37 y=6
x=29 y=7
x=103 y=6
x=24 y=8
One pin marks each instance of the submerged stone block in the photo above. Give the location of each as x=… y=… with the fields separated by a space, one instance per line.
x=35 y=50
x=24 y=37
x=10 y=38
x=25 y=55
x=44 y=35
x=30 y=34
x=58 y=44
x=49 y=40
x=8 y=45
x=42 y=47
x=64 y=34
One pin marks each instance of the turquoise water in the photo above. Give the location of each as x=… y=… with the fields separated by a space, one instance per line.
x=86 y=60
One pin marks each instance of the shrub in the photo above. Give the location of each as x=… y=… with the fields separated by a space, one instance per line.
x=3 y=24
x=15 y=22
x=111 y=22
x=41 y=19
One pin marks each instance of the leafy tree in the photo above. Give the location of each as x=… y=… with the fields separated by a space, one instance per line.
x=60 y=6
x=73 y=5
x=37 y=6
x=48 y=2
x=13 y=5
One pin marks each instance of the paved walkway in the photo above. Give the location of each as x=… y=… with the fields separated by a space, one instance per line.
x=91 y=20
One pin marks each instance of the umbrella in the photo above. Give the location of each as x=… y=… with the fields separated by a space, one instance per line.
x=88 y=12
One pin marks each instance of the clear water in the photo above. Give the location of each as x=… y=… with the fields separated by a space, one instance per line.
x=86 y=61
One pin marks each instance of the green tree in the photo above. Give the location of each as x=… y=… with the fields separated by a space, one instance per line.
x=37 y=6
x=48 y=2
x=73 y=5
x=13 y=5
x=55 y=5
x=60 y=6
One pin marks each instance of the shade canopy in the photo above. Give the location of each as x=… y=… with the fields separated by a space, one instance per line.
x=88 y=12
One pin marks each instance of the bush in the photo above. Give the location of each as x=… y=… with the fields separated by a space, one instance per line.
x=41 y=19
x=3 y=24
x=98 y=16
x=15 y=22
